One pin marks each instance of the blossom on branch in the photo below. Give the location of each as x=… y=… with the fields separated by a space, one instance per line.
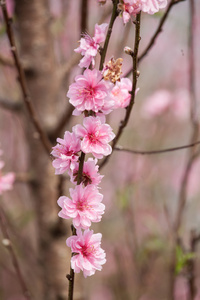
x=95 y=135
x=88 y=92
x=90 y=173
x=88 y=254
x=89 y=46
x=120 y=93
x=84 y=206
x=153 y=6
x=129 y=8
x=66 y=153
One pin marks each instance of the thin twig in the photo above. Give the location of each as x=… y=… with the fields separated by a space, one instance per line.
x=150 y=152
x=156 y=34
x=8 y=244
x=108 y=35
x=134 y=56
x=70 y=276
x=22 y=80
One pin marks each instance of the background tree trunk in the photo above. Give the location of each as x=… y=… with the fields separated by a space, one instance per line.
x=36 y=51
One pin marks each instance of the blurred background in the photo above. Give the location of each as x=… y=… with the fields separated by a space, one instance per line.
x=142 y=193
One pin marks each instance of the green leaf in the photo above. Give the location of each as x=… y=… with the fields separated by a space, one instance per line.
x=182 y=259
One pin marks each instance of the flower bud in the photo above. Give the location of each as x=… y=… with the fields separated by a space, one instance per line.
x=128 y=51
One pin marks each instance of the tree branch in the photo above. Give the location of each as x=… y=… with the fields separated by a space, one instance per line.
x=84 y=15
x=8 y=244
x=156 y=34
x=134 y=56
x=193 y=153
x=22 y=80
x=144 y=152
x=112 y=20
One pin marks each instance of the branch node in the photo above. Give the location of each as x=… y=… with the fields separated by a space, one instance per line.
x=68 y=276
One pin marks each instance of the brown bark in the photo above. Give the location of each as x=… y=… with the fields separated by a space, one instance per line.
x=36 y=52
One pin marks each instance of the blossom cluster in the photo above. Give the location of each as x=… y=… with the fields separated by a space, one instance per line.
x=94 y=94
x=6 y=180
x=129 y=8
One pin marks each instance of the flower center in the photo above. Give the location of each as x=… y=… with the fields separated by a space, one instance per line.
x=89 y=39
x=87 y=92
x=87 y=250
x=93 y=137
x=82 y=204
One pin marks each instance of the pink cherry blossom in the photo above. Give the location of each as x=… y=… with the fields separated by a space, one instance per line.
x=66 y=153
x=84 y=207
x=89 y=256
x=129 y=8
x=89 y=91
x=153 y=6
x=95 y=136
x=175 y=103
x=157 y=104
x=120 y=93
x=7 y=180
x=89 y=45
x=90 y=173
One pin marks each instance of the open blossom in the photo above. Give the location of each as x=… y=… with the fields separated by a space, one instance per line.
x=153 y=6
x=7 y=180
x=66 y=153
x=120 y=93
x=84 y=207
x=89 y=91
x=90 y=173
x=129 y=8
x=95 y=135
x=89 y=45
x=89 y=256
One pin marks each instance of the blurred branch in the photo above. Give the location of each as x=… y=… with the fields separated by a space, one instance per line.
x=24 y=177
x=11 y=105
x=6 y=61
x=63 y=121
x=156 y=34
x=194 y=240
x=66 y=68
x=193 y=153
x=112 y=20
x=84 y=15
x=7 y=243
x=144 y=152
x=22 y=80
x=106 y=14
x=134 y=56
